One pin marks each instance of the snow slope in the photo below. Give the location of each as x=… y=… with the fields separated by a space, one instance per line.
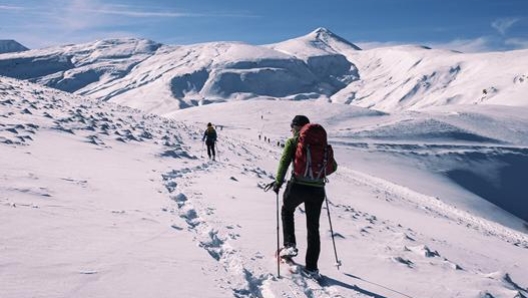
x=412 y=77
x=99 y=199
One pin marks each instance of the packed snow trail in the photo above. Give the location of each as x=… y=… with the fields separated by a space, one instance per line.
x=242 y=268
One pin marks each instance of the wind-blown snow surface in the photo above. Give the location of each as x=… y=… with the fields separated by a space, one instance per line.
x=99 y=200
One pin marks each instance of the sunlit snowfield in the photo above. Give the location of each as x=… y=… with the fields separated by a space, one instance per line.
x=99 y=200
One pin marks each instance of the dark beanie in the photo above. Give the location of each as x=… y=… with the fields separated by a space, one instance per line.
x=300 y=120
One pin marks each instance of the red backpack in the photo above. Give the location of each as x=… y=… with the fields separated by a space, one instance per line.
x=314 y=157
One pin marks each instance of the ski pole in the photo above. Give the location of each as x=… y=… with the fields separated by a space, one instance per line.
x=338 y=262
x=278 y=238
x=266 y=188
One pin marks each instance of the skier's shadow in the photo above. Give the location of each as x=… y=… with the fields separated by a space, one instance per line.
x=335 y=282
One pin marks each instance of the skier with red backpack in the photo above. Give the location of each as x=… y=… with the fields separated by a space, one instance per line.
x=312 y=160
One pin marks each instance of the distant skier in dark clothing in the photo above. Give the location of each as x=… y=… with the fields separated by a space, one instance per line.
x=210 y=139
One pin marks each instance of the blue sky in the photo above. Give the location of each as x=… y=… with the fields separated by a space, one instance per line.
x=466 y=25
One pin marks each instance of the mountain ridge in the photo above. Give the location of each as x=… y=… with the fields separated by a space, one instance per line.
x=317 y=66
x=11 y=46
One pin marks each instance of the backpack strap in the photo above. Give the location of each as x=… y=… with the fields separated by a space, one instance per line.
x=308 y=171
x=325 y=162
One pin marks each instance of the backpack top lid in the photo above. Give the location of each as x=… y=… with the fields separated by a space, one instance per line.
x=313 y=134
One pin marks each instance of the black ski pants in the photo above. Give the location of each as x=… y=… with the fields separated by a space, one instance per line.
x=210 y=148
x=313 y=198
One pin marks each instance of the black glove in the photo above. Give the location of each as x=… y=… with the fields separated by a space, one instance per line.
x=276 y=187
x=273 y=185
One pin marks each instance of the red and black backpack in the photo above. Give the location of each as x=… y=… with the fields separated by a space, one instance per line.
x=314 y=157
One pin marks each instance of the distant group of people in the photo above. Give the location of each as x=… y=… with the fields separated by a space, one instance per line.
x=268 y=140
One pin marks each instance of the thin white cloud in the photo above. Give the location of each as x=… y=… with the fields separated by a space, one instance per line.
x=79 y=15
x=98 y=7
x=481 y=44
x=367 y=45
x=91 y=14
x=145 y=14
x=502 y=25
x=7 y=7
x=134 y=11
x=517 y=43
x=101 y=8
x=76 y=16
x=73 y=21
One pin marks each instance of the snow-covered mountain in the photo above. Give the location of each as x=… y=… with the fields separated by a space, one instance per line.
x=317 y=66
x=72 y=68
x=10 y=46
x=320 y=42
x=101 y=200
x=412 y=77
